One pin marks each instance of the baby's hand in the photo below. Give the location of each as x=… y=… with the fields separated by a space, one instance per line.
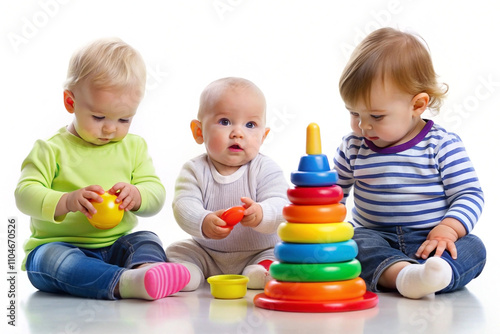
x=80 y=200
x=128 y=195
x=215 y=228
x=253 y=213
x=439 y=239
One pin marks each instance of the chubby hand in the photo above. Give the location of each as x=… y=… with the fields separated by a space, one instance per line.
x=80 y=200
x=439 y=239
x=253 y=213
x=128 y=195
x=215 y=228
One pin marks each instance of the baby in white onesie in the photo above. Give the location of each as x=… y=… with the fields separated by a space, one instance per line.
x=232 y=125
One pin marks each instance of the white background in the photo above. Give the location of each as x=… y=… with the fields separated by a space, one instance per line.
x=293 y=50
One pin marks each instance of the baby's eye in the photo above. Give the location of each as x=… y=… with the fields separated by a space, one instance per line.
x=377 y=117
x=98 y=118
x=251 y=125
x=224 y=121
x=124 y=120
x=353 y=114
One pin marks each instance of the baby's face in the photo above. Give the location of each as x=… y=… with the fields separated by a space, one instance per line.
x=103 y=115
x=234 y=129
x=391 y=119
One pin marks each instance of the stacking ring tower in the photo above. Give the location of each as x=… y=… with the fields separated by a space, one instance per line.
x=317 y=269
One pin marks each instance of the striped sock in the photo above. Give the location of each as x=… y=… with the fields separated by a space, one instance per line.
x=154 y=281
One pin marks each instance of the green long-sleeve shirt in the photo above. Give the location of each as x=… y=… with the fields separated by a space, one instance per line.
x=65 y=163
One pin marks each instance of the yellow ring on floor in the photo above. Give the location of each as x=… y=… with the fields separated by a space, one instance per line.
x=315 y=233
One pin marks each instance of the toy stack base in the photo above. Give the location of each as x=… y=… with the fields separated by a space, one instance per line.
x=331 y=296
x=368 y=300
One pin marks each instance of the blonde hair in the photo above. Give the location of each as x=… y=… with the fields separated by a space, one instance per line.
x=107 y=63
x=212 y=93
x=390 y=54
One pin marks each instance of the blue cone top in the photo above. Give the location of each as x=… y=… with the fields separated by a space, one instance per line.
x=314 y=163
x=314 y=171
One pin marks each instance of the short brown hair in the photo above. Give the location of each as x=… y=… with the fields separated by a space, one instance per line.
x=390 y=54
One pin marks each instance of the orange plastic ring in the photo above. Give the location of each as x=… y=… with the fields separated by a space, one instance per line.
x=317 y=291
x=315 y=214
x=315 y=233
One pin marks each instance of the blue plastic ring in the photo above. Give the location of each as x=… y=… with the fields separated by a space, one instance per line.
x=314 y=179
x=316 y=253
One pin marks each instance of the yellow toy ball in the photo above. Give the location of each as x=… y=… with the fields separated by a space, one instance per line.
x=108 y=214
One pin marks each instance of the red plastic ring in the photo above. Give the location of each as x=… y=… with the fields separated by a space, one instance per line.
x=369 y=300
x=315 y=195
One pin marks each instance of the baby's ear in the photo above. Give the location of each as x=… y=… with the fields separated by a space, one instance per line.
x=69 y=101
x=265 y=134
x=196 y=131
x=420 y=102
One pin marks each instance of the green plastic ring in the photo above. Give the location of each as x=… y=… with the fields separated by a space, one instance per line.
x=317 y=272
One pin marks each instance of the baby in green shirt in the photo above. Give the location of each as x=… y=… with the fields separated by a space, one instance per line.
x=63 y=175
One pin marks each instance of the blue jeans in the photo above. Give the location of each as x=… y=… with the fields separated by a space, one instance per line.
x=60 y=267
x=379 y=248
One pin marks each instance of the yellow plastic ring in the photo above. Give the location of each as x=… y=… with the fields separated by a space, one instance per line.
x=316 y=291
x=321 y=214
x=315 y=233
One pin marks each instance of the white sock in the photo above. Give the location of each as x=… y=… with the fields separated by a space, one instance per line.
x=154 y=281
x=257 y=275
x=196 y=279
x=417 y=280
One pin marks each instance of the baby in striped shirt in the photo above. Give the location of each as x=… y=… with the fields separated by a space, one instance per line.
x=416 y=194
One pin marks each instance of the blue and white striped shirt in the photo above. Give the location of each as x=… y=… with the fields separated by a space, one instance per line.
x=414 y=184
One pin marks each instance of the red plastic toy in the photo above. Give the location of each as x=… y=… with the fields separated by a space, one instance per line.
x=233 y=216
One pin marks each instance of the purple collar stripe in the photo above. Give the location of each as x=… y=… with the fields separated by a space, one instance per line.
x=402 y=147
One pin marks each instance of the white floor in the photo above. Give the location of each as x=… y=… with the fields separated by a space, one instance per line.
x=471 y=310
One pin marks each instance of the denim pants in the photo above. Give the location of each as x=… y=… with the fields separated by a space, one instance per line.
x=60 y=267
x=379 y=248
